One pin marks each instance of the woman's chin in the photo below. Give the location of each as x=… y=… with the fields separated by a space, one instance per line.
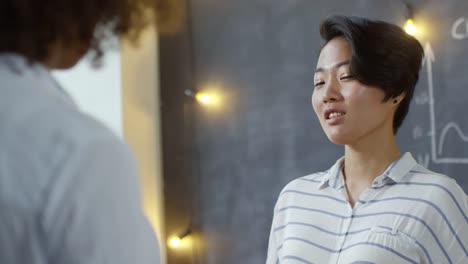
x=338 y=139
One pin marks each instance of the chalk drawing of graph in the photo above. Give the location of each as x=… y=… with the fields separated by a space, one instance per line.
x=437 y=144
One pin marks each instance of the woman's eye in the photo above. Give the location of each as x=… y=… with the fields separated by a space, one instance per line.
x=319 y=83
x=346 y=77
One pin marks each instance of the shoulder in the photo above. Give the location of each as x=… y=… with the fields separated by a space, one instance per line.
x=35 y=110
x=440 y=192
x=420 y=175
x=306 y=186
x=69 y=143
x=55 y=128
x=44 y=136
x=308 y=182
x=32 y=103
x=445 y=209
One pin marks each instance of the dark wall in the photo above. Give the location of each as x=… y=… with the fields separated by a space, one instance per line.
x=224 y=172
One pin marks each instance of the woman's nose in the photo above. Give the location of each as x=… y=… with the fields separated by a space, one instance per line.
x=331 y=91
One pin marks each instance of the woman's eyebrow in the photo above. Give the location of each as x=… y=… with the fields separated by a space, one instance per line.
x=338 y=65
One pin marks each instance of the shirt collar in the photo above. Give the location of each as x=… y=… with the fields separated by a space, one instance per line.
x=399 y=169
x=333 y=175
x=395 y=172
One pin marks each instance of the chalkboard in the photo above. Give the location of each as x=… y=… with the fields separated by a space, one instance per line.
x=436 y=132
x=261 y=55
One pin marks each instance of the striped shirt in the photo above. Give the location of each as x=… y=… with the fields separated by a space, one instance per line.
x=408 y=215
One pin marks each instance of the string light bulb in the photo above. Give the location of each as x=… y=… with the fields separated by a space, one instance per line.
x=204 y=97
x=175 y=242
x=410 y=27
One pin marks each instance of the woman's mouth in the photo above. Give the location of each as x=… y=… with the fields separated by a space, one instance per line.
x=332 y=115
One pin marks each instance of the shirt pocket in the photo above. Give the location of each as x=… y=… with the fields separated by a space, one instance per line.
x=401 y=245
x=387 y=235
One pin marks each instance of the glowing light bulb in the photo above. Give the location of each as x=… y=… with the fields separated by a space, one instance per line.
x=208 y=98
x=410 y=27
x=174 y=242
x=203 y=98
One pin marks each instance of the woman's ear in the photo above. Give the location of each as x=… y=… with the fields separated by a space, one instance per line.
x=399 y=98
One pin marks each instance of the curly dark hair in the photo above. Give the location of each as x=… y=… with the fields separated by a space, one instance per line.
x=29 y=27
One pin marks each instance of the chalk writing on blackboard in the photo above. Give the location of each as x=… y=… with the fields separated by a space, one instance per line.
x=460 y=28
x=437 y=144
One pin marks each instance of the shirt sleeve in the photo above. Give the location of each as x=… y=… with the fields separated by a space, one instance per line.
x=448 y=222
x=92 y=211
x=272 y=255
x=457 y=243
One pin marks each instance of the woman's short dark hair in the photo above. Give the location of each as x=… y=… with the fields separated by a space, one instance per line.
x=29 y=27
x=383 y=55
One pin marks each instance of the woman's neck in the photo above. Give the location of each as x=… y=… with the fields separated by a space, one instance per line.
x=364 y=166
x=366 y=160
x=368 y=157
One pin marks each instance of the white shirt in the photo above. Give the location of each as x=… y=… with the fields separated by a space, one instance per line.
x=68 y=186
x=408 y=215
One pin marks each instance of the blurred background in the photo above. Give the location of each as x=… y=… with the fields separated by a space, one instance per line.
x=219 y=113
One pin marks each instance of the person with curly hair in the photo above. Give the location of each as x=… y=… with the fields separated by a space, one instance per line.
x=68 y=186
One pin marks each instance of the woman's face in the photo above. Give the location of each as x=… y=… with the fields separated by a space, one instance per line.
x=348 y=110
